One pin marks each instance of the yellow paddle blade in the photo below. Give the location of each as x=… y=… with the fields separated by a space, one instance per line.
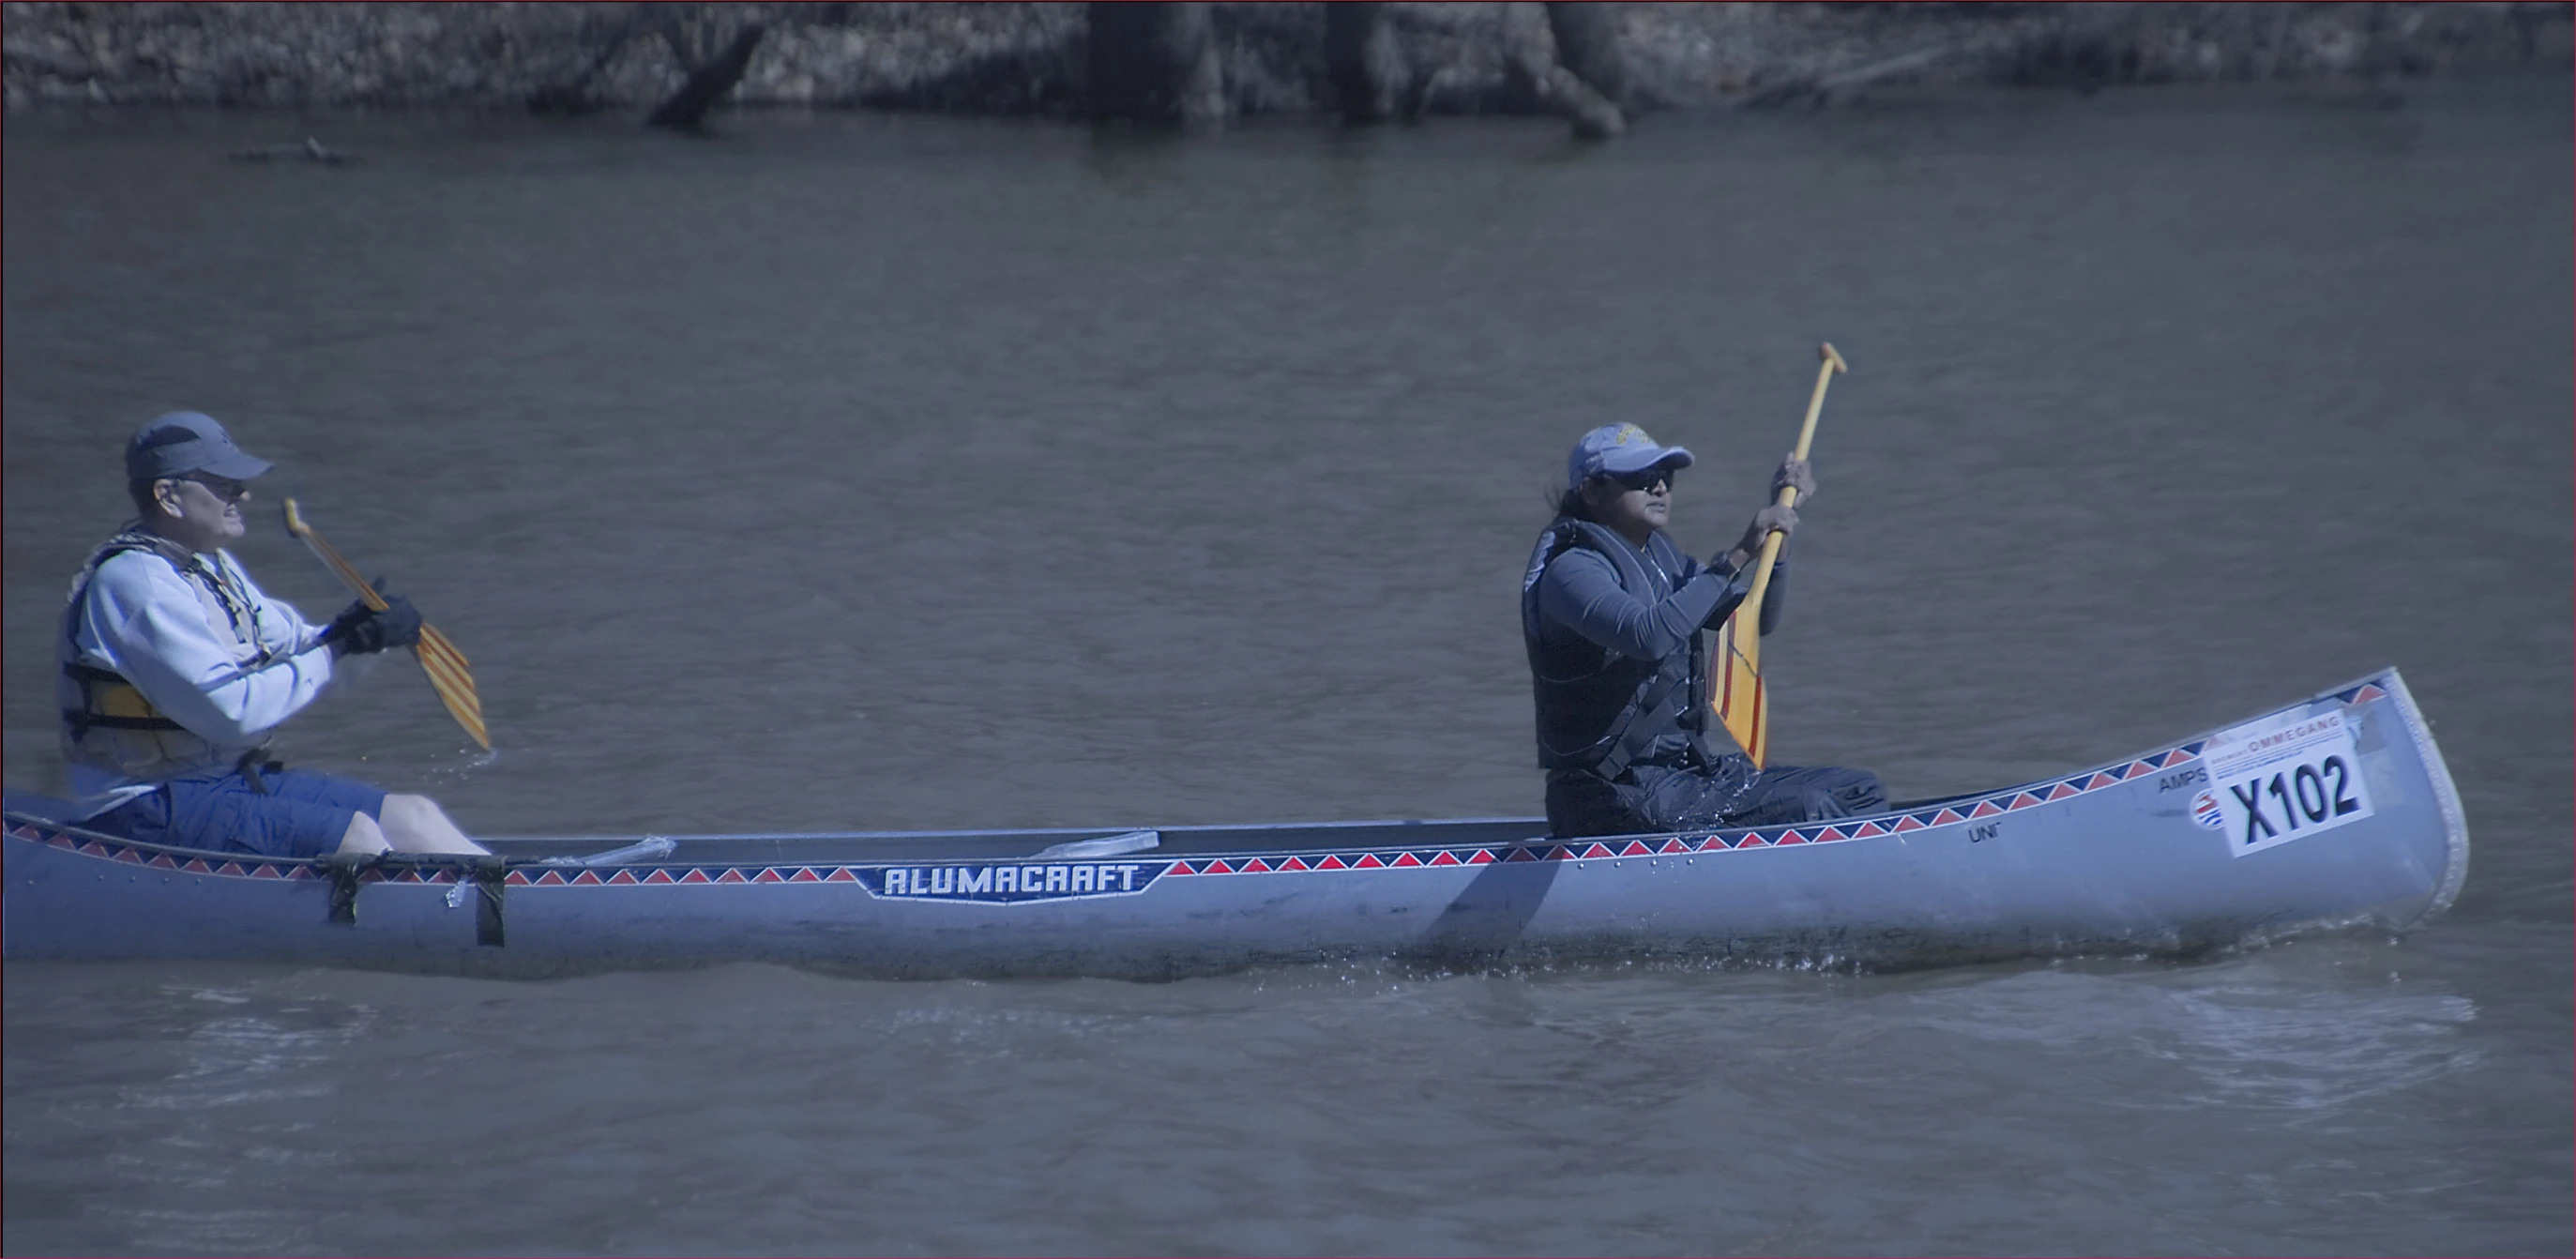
x=455 y=687
x=1735 y=690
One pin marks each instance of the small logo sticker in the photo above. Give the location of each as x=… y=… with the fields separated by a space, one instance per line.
x=2205 y=810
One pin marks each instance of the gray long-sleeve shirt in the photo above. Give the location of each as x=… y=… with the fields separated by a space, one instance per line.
x=1580 y=594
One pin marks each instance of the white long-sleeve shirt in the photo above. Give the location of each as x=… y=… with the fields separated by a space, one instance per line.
x=140 y=618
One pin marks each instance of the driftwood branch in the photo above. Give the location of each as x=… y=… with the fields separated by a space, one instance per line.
x=711 y=75
x=1594 y=116
x=1821 y=86
x=312 y=150
x=1537 y=67
x=1587 y=43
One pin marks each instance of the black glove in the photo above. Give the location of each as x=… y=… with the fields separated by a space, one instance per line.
x=359 y=629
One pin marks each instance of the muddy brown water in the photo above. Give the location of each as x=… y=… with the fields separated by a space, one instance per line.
x=854 y=471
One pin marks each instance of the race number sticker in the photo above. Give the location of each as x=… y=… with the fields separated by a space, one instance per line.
x=2282 y=779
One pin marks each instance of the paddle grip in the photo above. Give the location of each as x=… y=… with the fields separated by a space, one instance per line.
x=331 y=559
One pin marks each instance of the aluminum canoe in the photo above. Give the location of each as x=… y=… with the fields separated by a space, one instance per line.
x=2332 y=813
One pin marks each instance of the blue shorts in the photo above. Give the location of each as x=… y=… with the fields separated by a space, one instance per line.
x=304 y=814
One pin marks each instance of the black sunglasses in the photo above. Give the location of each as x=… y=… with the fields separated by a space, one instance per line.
x=1643 y=480
x=222 y=487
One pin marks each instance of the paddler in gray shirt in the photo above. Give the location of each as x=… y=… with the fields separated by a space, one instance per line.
x=1612 y=612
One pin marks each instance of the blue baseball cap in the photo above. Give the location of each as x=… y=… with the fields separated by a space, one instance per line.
x=183 y=442
x=1614 y=449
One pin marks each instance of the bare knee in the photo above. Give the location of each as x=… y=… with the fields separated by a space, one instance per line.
x=363 y=837
x=400 y=813
x=416 y=824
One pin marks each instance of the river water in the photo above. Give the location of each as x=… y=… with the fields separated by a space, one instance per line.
x=856 y=471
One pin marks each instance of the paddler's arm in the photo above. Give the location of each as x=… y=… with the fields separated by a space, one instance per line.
x=1581 y=591
x=1737 y=567
x=149 y=626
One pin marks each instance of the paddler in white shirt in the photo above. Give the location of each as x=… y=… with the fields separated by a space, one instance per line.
x=176 y=669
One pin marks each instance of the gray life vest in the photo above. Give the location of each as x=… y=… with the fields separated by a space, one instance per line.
x=1599 y=710
x=107 y=723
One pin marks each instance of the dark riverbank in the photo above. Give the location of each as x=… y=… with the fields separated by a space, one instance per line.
x=1263 y=58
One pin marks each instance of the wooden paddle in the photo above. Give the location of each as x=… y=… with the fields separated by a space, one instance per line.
x=1743 y=707
x=439 y=657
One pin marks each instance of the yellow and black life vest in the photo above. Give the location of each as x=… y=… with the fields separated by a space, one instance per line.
x=108 y=724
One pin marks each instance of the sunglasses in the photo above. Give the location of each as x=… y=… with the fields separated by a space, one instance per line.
x=1645 y=480
x=221 y=487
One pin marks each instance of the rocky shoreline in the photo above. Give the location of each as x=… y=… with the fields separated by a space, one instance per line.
x=1039 y=59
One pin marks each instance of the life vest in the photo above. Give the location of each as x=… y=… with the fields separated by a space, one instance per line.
x=1599 y=710
x=107 y=723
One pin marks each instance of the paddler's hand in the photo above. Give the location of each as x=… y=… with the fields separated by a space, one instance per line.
x=360 y=630
x=1794 y=472
x=1784 y=519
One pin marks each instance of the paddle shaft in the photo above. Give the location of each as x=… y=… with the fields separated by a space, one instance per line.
x=1771 y=541
x=446 y=666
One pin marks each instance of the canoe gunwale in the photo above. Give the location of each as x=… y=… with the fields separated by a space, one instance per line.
x=1315 y=838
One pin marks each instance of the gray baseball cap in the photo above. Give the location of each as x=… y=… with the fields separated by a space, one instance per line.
x=183 y=442
x=1618 y=448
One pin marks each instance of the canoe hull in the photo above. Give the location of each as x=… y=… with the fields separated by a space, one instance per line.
x=2112 y=860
